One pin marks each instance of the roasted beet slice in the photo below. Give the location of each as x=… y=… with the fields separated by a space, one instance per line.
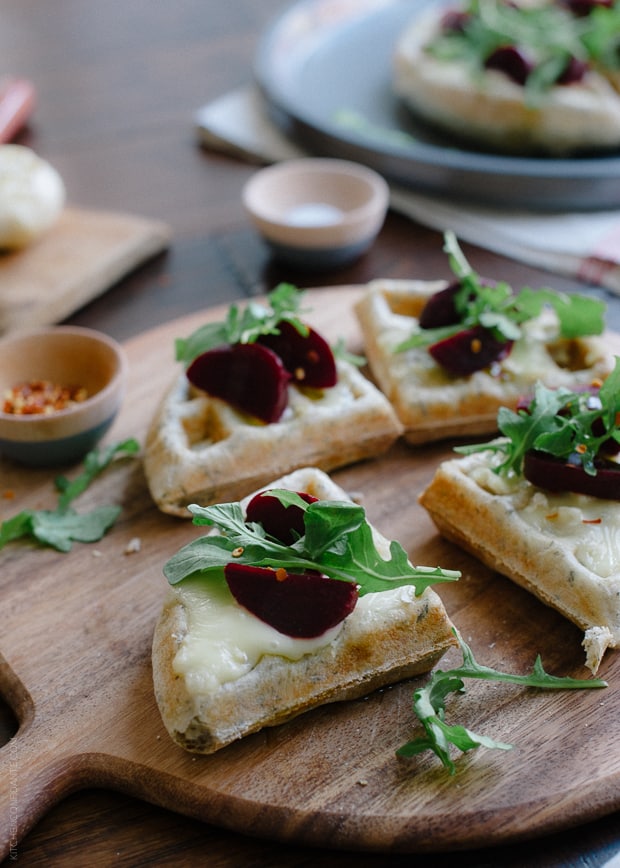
x=301 y=605
x=555 y=474
x=581 y=8
x=285 y=523
x=250 y=377
x=469 y=350
x=440 y=309
x=512 y=61
x=308 y=358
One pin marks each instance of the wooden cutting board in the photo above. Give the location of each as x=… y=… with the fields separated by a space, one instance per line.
x=75 y=643
x=83 y=255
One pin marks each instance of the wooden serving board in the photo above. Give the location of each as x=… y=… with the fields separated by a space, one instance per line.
x=82 y=256
x=75 y=643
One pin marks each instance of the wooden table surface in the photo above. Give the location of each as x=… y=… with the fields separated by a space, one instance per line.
x=117 y=85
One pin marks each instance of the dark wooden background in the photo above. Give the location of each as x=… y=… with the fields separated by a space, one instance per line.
x=118 y=84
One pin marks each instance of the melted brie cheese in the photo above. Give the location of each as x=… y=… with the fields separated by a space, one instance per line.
x=588 y=526
x=225 y=641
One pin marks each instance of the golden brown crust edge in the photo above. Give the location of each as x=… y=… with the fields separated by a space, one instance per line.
x=200 y=450
x=488 y=527
x=276 y=690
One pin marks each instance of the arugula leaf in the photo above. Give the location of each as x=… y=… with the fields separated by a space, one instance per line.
x=245 y=326
x=16 y=527
x=429 y=704
x=60 y=527
x=340 y=352
x=559 y=422
x=503 y=311
x=524 y=428
x=338 y=542
x=457 y=259
x=95 y=462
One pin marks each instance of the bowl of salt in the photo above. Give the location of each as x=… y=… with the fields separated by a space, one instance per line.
x=317 y=212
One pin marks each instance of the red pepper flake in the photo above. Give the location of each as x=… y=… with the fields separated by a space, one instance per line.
x=476 y=345
x=281 y=574
x=236 y=553
x=8 y=494
x=581 y=448
x=41 y=397
x=552 y=516
x=591 y=520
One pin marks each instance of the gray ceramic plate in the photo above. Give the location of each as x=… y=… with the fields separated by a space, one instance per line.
x=325 y=68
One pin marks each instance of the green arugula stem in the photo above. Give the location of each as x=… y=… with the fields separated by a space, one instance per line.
x=338 y=542
x=502 y=311
x=429 y=704
x=60 y=527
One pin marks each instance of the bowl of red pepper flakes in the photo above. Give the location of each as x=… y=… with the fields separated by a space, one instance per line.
x=60 y=391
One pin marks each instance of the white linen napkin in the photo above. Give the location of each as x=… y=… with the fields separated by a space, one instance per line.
x=585 y=246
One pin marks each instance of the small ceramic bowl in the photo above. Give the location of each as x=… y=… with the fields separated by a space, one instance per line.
x=316 y=212
x=63 y=356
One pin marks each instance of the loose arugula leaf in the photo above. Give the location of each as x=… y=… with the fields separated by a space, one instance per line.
x=60 y=527
x=95 y=463
x=337 y=542
x=16 y=527
x=429 y=704
x=245 y=326
x=559 y=422
x=503 y=311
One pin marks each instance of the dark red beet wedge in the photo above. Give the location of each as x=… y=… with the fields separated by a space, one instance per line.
x=511 y=61
x=573 y=72
x=555 y=474
x=440 y=309
x=285 y=523
x=581 y=8
x=301 y=605
x=250 y=377
x=308 y=358
x=469 y=351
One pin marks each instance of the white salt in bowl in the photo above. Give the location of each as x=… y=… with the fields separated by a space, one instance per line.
x=317 y=212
